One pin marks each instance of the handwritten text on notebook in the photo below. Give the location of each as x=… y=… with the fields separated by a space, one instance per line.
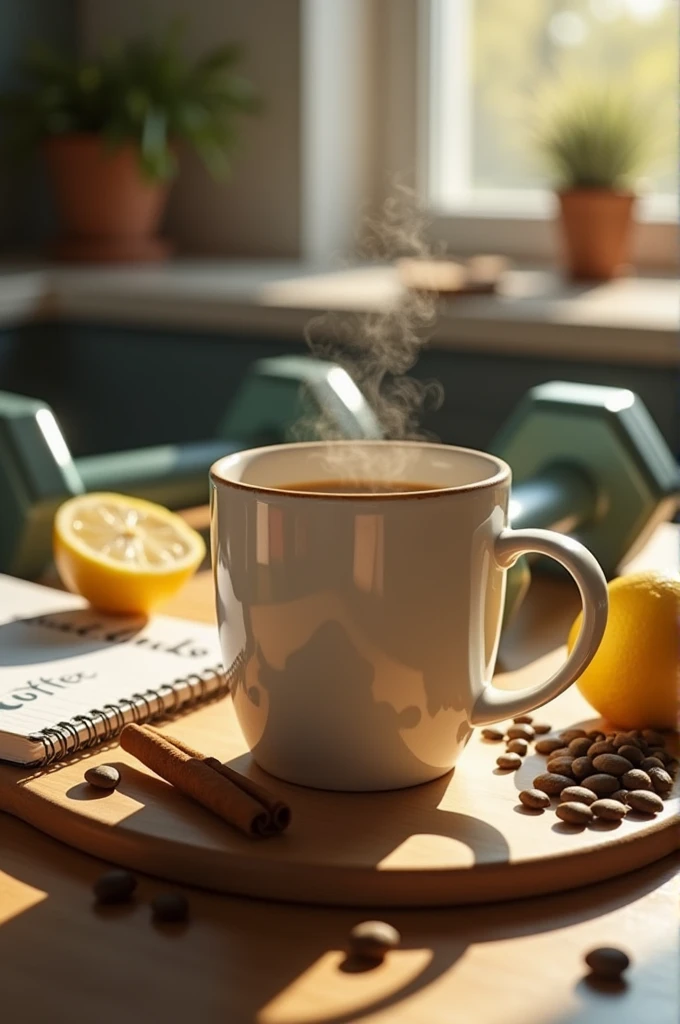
x=71 y=677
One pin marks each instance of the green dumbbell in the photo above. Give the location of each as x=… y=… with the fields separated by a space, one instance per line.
x=589 y=461
x=281 y=399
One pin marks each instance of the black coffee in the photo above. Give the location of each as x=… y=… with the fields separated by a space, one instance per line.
x=358 y=486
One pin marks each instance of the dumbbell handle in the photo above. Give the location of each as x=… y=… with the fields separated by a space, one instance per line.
x=172 y=475
x=561 y=497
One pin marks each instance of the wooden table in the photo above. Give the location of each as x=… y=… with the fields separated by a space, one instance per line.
x=241 y=960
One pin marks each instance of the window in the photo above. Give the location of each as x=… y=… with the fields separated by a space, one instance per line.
x=487 y=62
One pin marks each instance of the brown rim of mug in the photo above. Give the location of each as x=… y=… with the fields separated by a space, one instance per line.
x=501 y=476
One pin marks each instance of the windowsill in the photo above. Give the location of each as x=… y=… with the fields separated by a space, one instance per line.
x=630 y=320
x=540 y=204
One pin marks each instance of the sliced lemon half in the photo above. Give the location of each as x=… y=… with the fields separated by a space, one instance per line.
x=125 y=555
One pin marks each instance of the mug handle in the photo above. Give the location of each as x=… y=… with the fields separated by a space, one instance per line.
x=492 y=704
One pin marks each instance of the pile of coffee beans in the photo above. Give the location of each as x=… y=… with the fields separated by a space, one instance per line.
x=593 y=774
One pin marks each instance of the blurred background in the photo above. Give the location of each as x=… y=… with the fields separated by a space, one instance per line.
x=184 y=187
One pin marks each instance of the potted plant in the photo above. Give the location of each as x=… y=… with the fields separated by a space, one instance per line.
x=110 y=129
x=595 y=143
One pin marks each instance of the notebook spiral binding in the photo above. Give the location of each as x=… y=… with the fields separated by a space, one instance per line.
x=105 y=723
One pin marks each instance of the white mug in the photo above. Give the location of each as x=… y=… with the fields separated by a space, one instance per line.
x=361 y=630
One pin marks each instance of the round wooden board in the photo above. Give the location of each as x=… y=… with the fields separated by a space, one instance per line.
x=462 y=839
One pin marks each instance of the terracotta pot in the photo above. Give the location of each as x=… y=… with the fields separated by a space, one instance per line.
x=596 y=229
x=108 y=211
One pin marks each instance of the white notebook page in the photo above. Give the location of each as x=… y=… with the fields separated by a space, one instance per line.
x=60 y=659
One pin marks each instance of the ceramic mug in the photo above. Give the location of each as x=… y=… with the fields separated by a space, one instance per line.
x=361 y=630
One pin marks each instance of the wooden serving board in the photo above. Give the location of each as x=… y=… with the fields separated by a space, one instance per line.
x=462 y=839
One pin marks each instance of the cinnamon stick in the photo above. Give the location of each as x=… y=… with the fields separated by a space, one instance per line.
x=197 y=779
x=279 y=811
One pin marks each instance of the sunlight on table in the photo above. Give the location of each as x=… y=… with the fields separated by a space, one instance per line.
x=353 y=993
x=16 y=897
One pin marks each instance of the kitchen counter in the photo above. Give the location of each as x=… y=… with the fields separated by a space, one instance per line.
x=629 y=320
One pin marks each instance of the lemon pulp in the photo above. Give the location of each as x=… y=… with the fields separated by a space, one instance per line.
x=123 y=554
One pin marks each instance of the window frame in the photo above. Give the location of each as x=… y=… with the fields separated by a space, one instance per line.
x=519 y=223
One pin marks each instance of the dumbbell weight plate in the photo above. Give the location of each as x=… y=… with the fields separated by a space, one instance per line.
x=36 y=475
x=297 y=398
x=609 y=434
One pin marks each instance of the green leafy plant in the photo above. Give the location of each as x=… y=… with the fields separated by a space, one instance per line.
x=593 y=137
x=143 y=91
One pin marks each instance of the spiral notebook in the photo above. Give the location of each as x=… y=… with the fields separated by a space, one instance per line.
x=71 y=678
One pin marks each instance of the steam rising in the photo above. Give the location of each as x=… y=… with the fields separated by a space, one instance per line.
x=378 y=349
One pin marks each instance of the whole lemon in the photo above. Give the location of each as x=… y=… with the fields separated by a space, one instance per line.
x=633 y=679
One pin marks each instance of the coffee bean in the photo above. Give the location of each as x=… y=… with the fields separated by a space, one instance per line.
x=115 y=886
x=659 y=752
x=580 y=746
x=672 y=766
x=518 y=747
x=548 y=745
x=654 y=738
x=578 y=793
x=661 y=780
x=607 y=962
x=509 y=762
x=559 y=766
x=651 y=762
x=619 y=795
x=552 y=784
x=611 y=764
x=609 y=809
x=636 y=779
x=581 y=767
x=603 y=747
x=521 y=732
x=595 y=735
x=492 y=734
x=103 y=776
x=534 y=798
x=371 y=940
x=632 y=754
x=622 y=738
x=644 y=801
x=170 y=906
x=574 y=813
x=540 y=728
x=562 y=752
x=562 y=755
x=523 y=719
x=567 y=735
x=636 y=738
x=602 y=785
